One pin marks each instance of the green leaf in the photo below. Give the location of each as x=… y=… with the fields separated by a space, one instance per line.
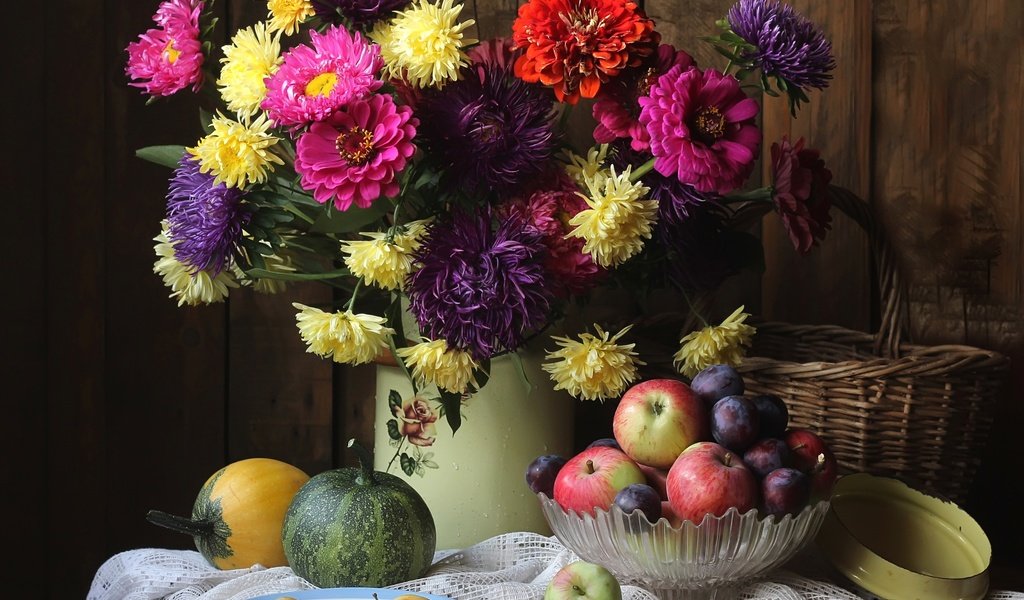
x=285 y=276
x=393 y=429
x=206 y=120
x=394 y=400
x=353 y=219
x=517 y=361
x=408 y=464
x=165 y=156
x=452 y=404
x=426 y=462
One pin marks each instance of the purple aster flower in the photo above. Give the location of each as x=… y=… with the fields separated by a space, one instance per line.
x=788 y=45
x=482 y=290
x=205 y=219
x=360 y=12
x=703 y=251
x=490 y=130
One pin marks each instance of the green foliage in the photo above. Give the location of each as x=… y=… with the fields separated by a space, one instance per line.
x=165 y=156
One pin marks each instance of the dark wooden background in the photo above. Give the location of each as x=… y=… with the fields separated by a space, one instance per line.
x=118 y=401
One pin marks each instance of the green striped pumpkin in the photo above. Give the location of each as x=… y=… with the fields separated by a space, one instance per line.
x=354 y=527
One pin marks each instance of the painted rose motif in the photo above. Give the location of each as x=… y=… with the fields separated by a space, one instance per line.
x=416 y=421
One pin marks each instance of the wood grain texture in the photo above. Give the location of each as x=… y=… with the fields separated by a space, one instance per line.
x=947 y=133
x=835 y=122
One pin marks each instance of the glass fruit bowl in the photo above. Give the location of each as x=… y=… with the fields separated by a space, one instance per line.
x=688 y=561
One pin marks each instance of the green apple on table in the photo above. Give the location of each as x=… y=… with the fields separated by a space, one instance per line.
x=583 y=580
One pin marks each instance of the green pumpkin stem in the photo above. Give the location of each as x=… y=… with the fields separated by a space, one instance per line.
x=180 y=524
x=365 y=461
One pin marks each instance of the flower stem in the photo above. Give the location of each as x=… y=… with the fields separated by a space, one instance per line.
x=642 y=170
x=397 y=452
x=693 y=309
x=355 y=292
x=763 y=193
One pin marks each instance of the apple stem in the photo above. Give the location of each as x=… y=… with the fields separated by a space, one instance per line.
x=819 y=465
x=577 y=589
x=590 y=466
x=797 y=447
x=727 y=459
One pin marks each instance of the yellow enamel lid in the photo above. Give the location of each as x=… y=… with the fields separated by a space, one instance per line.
x=901 y=544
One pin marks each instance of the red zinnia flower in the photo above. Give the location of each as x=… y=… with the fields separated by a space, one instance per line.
x=576 y=45
x=801 y=192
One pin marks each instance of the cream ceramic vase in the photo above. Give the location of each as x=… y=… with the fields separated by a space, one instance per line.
x=478 y=489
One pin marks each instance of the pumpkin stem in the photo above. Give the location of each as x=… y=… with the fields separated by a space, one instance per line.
x=180 y=524
x=365 y=461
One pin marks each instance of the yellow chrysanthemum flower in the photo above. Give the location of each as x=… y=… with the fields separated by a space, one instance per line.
x=382 y=262
x=253 y=55
x=433 y=362
x=237 y=153
x=287 y=15
x=345 y=336
x=192 y=288
x=724 y=344
x=584 y=168
x=424 y=44
x=619 y=218
x=594 y=368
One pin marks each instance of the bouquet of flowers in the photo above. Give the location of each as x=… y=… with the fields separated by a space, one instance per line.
x=374 y=146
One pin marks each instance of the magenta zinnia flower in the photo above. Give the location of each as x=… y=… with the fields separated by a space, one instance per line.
x=205 y=219
x=617 y=109
x=701 y=127
x=481 y=289
x=356 y=154
x=167 y=59
x=548 y=209
x=800 y=192
x=314 y=81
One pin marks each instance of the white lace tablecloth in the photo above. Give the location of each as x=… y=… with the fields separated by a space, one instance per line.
x=513 y=566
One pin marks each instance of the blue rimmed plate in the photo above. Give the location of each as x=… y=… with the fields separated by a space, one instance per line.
x=346 y=594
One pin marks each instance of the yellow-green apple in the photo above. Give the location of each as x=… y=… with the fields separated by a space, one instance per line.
x=591 y=479
x=709 y=479
x=582 y=580
x=657 y=419
x=812 y=455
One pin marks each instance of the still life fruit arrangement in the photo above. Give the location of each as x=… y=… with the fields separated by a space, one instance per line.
x=696 y=478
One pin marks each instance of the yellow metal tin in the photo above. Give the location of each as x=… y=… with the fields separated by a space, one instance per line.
x=900 y=544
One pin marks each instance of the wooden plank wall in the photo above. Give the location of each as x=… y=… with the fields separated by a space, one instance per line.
x=121 y=402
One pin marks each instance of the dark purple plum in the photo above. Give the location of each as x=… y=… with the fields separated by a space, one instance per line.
x=785 y=491
x=766 y=455
x=541 y=473
x=716 y=382
x=773 y=414
x=642 y=497
x=610 y=442
x=734 y=423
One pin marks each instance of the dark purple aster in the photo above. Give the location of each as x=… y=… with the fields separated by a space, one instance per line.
x=205 y=220
x=482 y=290
x=360 y=12
x=788 y=45
x=676 y=200
x=490 y=130
x=703 y=251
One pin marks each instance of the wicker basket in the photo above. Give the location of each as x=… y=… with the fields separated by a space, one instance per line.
x=885 y=406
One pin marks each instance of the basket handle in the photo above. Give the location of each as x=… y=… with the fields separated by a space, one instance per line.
x=893 y=327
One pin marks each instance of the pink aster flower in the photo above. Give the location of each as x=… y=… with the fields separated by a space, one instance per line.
x=617 y=109
x=314 y=81
x=800 y=192
x=548 y=209
x=169 y=58
x=701 y=127
x=355 y=154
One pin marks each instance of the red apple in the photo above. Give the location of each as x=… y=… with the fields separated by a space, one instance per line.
x=582 y=580
x=709 y=479
x=591 y=479
x=657 y=419
x=812 y=455
x=656 y=478
x=668 y=513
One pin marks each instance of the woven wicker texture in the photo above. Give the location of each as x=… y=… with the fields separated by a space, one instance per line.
x=885 y=406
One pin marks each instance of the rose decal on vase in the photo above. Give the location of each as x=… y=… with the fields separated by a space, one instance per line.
x=414 y=422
